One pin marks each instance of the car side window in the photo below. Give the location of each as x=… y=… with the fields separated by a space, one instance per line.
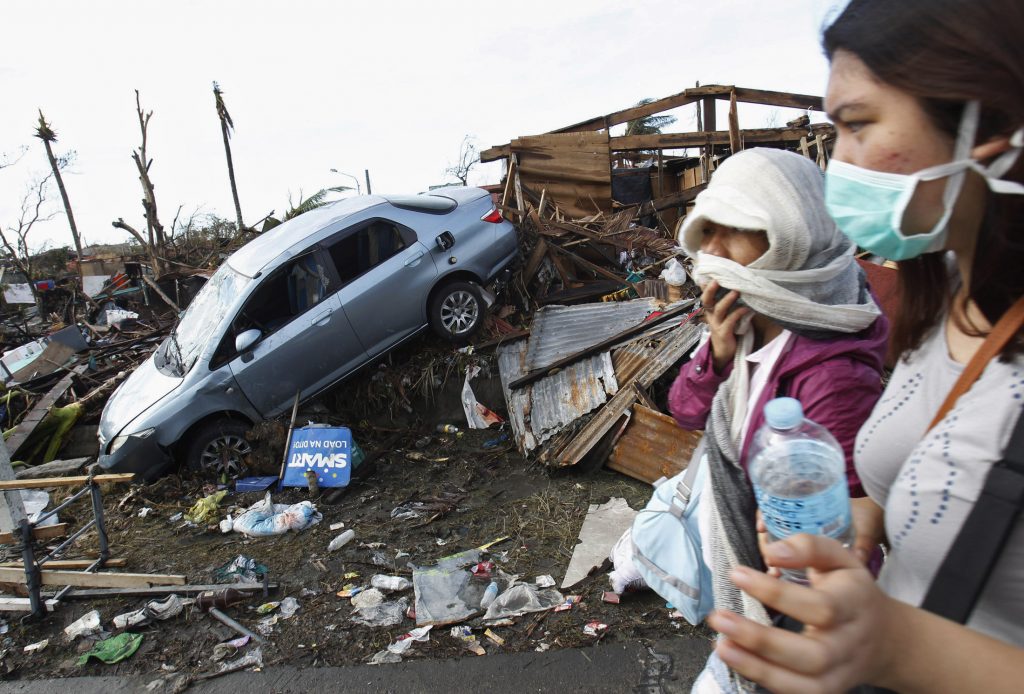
x=357 y=252
x=287 y=293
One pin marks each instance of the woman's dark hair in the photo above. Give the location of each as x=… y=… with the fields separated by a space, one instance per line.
x=945 y=53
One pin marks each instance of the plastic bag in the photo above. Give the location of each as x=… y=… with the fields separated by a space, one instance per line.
x=674 y=273
x=625 y=575
x=522 y=598
x=265 y=518
x=386 y=614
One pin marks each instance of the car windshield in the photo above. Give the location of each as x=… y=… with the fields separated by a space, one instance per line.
x=199 y=322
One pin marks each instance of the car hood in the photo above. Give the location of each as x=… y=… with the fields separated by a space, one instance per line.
x=143 y=389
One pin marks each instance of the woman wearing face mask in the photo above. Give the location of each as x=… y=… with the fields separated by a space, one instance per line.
x=928 y=101
x=789 y=314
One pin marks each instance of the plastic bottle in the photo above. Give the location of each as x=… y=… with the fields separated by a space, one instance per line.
x=447 y=429
x=390 y=584
x=341 y=540
x=489 y=595
x=223 y=598
x=799 y=475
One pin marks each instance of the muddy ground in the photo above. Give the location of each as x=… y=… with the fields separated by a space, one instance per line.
x=493 y=493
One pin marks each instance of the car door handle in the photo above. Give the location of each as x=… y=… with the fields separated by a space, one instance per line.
x=414 y=260
x=323 y=317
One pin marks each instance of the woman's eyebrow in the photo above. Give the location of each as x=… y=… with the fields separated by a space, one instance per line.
x=842 y=112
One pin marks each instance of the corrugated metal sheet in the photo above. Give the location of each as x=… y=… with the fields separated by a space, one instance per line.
x=653 y=446
x=561 y=331
x=542 y=409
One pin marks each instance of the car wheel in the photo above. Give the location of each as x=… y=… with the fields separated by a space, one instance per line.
x=219 y=448
x=457 y=311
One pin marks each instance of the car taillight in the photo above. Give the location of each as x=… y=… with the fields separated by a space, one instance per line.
x=494 y=216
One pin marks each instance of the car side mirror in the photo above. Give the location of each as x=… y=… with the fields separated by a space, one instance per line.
x=445 y=240
x=245 y=340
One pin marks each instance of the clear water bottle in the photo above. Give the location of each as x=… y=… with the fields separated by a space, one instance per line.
x=799 y=475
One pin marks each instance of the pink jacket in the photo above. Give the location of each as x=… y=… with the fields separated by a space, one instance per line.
x=837 y=380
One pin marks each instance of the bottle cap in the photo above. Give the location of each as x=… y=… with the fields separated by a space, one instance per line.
x=783 y=413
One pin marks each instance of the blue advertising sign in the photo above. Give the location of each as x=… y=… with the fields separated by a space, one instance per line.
x=327 y=451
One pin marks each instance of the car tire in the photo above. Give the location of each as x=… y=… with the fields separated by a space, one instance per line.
x=457 y=311
x=219 y=447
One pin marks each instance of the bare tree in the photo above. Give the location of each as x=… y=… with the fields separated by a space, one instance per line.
x=15 y=240
x=468 y=158
x=151 y=251
x=226 y=126
x=47 y=135
x=154 y=228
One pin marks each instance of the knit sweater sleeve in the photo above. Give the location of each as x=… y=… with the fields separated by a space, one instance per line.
x=691 y=395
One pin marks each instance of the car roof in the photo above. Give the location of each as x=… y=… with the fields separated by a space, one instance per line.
x=255 y=255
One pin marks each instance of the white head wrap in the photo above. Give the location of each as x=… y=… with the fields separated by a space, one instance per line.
x=808 y=278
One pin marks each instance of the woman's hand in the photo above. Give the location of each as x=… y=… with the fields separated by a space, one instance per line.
x=722 y=317
x=869 y=526
x=849 y=622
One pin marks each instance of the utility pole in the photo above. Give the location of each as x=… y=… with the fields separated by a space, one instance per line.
x=368 y=190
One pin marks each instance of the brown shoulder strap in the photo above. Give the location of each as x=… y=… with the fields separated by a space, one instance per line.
x=1002 y=332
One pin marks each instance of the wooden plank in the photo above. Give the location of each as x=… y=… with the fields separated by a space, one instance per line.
x=153 y=285
x=36 y=415
x=495 y=153
x=784 y=99
x=534 y=261
x=687 y=96
x=672 y=200
x=709 y=107
x=8 y=604
x=718 y=137
x=735 y=142
x=44 y=532
x=93 y=593
x=75 y=481
x=69 y=564
x=92 y=580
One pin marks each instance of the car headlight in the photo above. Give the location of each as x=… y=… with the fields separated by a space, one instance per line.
x=120 y=440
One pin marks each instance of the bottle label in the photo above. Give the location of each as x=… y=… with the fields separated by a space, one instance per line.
x=823 y=513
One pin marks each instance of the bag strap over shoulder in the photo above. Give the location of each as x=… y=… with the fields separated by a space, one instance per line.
x=1002 y=332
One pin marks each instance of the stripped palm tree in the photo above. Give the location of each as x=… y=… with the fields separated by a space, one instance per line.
x=226 y=126
x=48 y=136
x=648 y=125
x=317 y=199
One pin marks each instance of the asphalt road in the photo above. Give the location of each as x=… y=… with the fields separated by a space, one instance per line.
x=668 y=667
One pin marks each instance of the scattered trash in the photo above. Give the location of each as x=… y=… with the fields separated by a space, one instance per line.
x=254 y=484
x=595 y=628
x=542 y=647
x=477 y=416
x=337 y=526
x=390 y=584
x=176 y=517
x=144 y=511
x=610 y=597
x=241 y=569
x=265 y=518
x=385 y=614
x=402 y=645
x=89 y=623
x=227 y=525
x=154 y=609
x=570 y=602
x=268 y=607
x=465 y=636
x=113 y=650
x=37 y=646
x=253 y=658
x=494 y=443
x=625 y=576
x=544 y=581
x=494 y=637
x=204 y=511
x=602 y=527
x=522 y=598
x=351 y=574
x=228 y=648
x=483 y=569
x=490 y=595
x=265 y=626
x=368 y=598
x=289 y=606
x=447 y=429
x=341 y=540
x=349 y=590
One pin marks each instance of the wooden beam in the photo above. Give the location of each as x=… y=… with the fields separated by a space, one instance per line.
x=92 y=580
x=784 y=99
x=69 y=564
x=671 y=200
x=8 y=604
x=735 y=142
x=75 y=481
x=687 y=96
x=43 y=532
x=154 y=591
x=534 y=261
x=160 y=292
x=37 y=414
x=705 y=138
x=709 y=107
x=496 y=152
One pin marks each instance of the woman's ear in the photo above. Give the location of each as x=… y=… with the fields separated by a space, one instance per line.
x=993 y=148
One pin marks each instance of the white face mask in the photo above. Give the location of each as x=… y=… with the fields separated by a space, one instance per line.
x=869 y=206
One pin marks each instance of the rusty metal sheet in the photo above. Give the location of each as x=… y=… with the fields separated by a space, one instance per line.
x=653 y=446
x=561 y=331
x=542 y=409
x=674 y=344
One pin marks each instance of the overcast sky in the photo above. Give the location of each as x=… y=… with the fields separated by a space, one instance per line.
x=388 y=86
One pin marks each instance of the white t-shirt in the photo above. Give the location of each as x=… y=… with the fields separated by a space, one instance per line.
x=928 y=485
